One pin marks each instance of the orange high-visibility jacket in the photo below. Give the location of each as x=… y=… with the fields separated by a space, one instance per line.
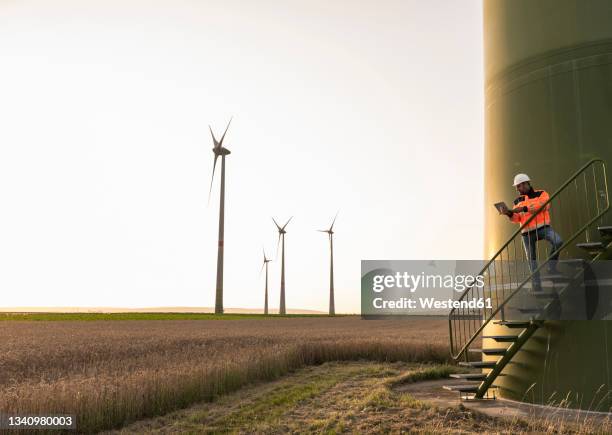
x=530 y=203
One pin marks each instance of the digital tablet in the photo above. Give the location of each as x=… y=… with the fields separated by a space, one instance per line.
x=501 y=207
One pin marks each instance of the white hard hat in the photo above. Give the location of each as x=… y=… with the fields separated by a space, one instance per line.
x=520 y=178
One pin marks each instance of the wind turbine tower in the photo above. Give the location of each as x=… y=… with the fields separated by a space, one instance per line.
x=265 y=264
x=330 y=234
x=281 y=238
x=219 y=150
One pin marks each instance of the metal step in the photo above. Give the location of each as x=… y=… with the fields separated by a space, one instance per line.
x=462 y=388
x=527 y=310
x=513 y=323
x=492 y=351
x=544 y=295
x=605 y=230
x=468 y=316
x=572 y=261
x=502 y=338
x=478 y=364
x=469 y=376
x=592 y=247
x=548 y=285
x=557 y=277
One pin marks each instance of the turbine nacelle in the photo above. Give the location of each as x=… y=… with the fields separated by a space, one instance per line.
x=281 y=230
x=218 y=144
x=330 y=231
x=221 y=151
x=265 y=259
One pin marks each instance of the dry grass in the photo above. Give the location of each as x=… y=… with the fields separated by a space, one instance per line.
x=113 y=373
x=349 y=397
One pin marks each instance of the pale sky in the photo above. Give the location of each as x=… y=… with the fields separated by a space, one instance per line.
x=373 y=108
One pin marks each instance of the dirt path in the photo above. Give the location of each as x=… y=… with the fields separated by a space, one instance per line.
x=358 y=397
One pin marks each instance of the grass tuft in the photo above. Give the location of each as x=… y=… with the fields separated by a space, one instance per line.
x=424 y=374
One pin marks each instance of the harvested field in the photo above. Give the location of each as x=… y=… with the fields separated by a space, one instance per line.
x=110 y=373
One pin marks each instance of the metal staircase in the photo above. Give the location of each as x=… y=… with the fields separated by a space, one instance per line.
x=518 y=307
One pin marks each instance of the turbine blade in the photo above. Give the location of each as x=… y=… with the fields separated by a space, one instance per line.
x=215 y=143
x=287 y=223
x=277 y=225
x=323 y=231
x=212 y=177
x=334 y=221
x=278 y=244
x=223 y=137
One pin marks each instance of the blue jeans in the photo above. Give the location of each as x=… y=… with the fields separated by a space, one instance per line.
x=530 y=239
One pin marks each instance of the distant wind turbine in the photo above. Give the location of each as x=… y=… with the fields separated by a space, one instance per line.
x=281 y=239
x=219 y=150
x=265 y=264
x=330 y=234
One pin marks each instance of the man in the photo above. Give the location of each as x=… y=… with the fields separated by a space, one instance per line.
x=526 y=205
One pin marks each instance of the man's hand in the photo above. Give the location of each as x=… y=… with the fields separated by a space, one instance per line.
x=509 y=213
x=504 y=210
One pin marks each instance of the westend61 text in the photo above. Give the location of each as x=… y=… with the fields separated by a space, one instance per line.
x=431 y=303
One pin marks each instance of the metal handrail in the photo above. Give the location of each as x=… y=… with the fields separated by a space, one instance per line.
x=583 y=228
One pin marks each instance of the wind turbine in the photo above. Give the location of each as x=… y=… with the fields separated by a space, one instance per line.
x=330 y=234
x=219 y=150
x=281 y=238
x=265 y=264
